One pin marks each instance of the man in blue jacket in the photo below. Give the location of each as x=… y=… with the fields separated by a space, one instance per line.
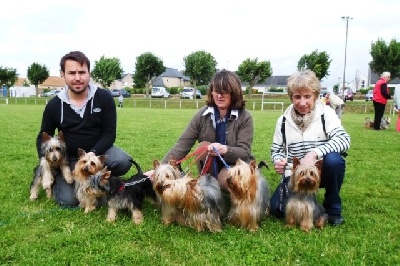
x=87 y=117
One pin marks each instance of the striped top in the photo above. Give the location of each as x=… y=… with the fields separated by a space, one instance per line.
x=312 y=139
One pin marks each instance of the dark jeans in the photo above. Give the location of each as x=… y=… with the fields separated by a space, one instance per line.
x=333 y=170
x=379 y=111
x=117 y=161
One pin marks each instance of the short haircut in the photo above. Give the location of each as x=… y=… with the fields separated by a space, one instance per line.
x=75 y=56
x=225 y=82
x=303 y=80
x=385 y=74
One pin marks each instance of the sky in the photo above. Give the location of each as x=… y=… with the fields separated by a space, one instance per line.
x=281 y=32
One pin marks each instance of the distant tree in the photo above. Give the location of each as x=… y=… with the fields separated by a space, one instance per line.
x=200 y=66
x=336 y=88
x=253 y=72
x=106 y=70
x=318 y=62
x=37 y=74
x=8 y=76
x=385 y=57
x=147 y=67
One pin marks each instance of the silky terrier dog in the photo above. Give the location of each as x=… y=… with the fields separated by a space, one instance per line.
x=385 y=122
x=197 y=203
x=87 y=165
x=249 y=194
x=122 y=194
x=302 y=207
x=53 y=160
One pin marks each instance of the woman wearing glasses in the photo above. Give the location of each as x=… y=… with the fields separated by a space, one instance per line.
x=223 y=125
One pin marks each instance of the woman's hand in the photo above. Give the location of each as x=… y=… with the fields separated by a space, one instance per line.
x=222 y=149
x=280 y=166
x=309 y=159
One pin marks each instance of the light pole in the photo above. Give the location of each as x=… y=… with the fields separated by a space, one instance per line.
x=346 y=18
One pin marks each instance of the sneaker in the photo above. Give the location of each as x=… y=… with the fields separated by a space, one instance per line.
x=335 y=220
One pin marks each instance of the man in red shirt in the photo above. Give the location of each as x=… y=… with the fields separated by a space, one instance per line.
x=380 y=97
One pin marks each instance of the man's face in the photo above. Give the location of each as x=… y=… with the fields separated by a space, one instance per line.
x=76 y=76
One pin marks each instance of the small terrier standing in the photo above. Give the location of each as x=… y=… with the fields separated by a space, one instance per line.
x=196 y=203
x=122 y=193
x=249 y=194
x=302 y=207
x=53 y=159
x=87 y=165
x=385 y=122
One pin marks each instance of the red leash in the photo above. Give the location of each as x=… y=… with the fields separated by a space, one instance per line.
x=199 y=152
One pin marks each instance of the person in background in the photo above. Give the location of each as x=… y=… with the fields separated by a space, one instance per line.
x=120 y=100
x=310 y=138
x=396 y=101
x=380 y=97
x=335 y=102
x=87 y=117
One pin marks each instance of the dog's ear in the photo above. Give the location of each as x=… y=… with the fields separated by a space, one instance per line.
x=81 y=152
x=172 y=162
x=318 y=164
x=296 y=162
x=192 y=183
x=60 y=136
x=45 y=137
x=238 y=161
x=253 y=166
x=156 y=164
x=102 y=158
x=106 y=175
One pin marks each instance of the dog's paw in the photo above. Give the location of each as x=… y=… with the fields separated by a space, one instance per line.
x=33 y=197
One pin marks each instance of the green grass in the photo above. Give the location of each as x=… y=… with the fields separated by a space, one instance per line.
x=42 y=233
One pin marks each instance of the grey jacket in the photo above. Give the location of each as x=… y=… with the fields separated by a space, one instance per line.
x=239 y=135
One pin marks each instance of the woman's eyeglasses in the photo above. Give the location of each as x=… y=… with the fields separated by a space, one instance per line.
x=222 y=93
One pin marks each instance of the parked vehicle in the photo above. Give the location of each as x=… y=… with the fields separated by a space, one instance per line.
x=160 y=92
x=188 y=93
x=368 y=96
x=51 y=93
x=322 y=93
x=118 y=92
x=348 y=95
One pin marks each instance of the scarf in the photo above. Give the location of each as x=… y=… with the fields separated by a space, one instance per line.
x=302 y=121
x=220 y=126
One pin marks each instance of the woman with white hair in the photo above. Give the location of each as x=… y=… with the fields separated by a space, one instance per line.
x=380 y=97
x=310 y=131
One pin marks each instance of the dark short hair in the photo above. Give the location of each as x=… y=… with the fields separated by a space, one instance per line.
x=226 y=81
x=75 y=56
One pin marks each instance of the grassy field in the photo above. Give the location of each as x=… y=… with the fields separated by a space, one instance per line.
x=42 y=233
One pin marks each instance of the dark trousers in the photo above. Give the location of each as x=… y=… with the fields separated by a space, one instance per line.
x=333 y=170
x=379 y=111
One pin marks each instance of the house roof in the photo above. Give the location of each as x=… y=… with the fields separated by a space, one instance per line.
x=375 y=77
x=173 y=73
x=53 y=81
x=20 y=82
x=158 y=82
x=278 y=81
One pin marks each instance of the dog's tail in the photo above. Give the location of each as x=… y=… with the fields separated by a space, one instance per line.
x=138 y=168
x=261 y=164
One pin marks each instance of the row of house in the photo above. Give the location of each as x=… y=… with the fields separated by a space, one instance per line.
x=174 y=78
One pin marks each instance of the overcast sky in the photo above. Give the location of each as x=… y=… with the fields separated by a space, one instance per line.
x=282 y=32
